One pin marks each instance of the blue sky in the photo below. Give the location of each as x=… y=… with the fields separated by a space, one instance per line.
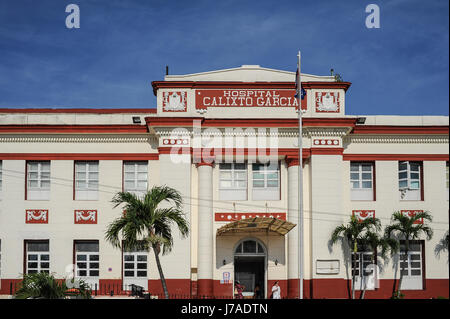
x=401 y=68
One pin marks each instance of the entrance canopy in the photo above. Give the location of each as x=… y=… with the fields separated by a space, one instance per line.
x=257 y=225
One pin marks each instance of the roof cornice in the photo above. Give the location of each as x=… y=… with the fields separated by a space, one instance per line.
x=103 y=128
x=248 y=122
x=400 y=130
x=78 y=110
x=246 y=85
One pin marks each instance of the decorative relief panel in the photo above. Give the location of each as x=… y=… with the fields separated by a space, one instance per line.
x=174 y=101
x=327 y=102
x=228 y=217
x=175 y=141
x=85 y=216
x=36 y=216
x=363 y=214
x=412 y=213
x=326 y=142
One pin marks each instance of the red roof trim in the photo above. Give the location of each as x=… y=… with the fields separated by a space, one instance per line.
x=291 y=153
x=78 y=110
x=106 y=128
x=326 y=85
x=246 y=85
x=327 y=151
x=80 y=156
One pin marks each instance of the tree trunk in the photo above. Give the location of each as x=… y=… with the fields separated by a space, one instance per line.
x=161 y=275
x=355 y=250
x=365 y=284
x=402 y=268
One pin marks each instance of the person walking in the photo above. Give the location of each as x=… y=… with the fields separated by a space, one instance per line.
x=276 y=291
x=238 y=289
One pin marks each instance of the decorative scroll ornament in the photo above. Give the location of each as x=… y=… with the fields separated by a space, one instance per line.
x=363 y=214
x=327 y=102
x=36 y=216
x=85 y=217
x=412 y=213
x=174 y=101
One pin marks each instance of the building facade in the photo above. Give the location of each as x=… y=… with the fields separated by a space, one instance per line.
x=228 y=141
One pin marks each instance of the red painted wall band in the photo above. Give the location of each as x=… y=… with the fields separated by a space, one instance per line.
x=315 y=288
x=327 y=151
x=290 y=153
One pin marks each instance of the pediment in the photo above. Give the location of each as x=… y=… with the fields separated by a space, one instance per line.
x=248 y=73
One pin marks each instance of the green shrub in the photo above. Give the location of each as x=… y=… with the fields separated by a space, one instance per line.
x=46 y=286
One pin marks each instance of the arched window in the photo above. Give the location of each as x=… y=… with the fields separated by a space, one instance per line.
x=251 y=247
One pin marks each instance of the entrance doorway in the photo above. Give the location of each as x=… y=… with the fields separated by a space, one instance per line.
x=250 y=267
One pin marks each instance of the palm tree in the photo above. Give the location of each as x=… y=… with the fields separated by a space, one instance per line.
x=43 y=285
x=40 y=285
x=145 y=224
x=442 y=246
x=353 y=234
x=373 y=242
x=407 y=228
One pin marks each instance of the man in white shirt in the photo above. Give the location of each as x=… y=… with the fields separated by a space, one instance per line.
x=276 y=291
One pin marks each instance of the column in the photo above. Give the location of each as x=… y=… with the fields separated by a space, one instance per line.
x=327 y=213
x=293 y=235
x=205 y=230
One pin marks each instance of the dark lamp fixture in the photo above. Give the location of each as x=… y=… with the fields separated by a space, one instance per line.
x=136 y=120
x=360 y=120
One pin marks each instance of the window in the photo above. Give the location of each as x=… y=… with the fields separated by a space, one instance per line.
x=38 y=180
x=87 y=261
x=249 y=247
x=135 y=177
x=411 y=266
x=86 y=180
x=37 y=256
x=362 y=181
x=266 y=181
x=409 y=180
x=233 y=181
x=360 y=266
x=135 y=268
x=135 y=264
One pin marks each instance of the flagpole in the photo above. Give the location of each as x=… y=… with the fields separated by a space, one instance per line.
x=300 y=177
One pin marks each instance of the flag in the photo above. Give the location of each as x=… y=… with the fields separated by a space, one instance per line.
x=302 y=92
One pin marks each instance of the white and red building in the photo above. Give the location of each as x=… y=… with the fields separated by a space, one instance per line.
x=228 y=141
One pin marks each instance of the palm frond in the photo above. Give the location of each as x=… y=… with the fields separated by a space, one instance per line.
x=336 y=235
x=159 y=194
